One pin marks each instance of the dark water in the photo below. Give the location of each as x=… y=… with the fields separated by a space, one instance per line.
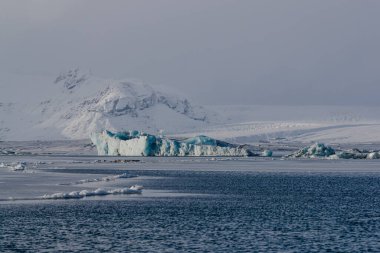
x=242 y=212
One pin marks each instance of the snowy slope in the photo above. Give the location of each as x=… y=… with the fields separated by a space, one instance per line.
x=77 y=103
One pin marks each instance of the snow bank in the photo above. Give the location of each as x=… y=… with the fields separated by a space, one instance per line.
x=135 y=143
x=98 y=192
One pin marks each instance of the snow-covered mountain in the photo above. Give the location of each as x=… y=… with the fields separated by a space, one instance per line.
x=77 y=103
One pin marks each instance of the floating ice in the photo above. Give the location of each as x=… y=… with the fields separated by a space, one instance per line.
x=105 y=179
x=373 y=155
x=135 y=189
x=352 y=154
x=267 y=153
x=321 y=150
x=19 y=166
x=358 y=154
x=315 y=150
x=135 y=143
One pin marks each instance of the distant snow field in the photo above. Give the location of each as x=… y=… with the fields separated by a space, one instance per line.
x=307 y=124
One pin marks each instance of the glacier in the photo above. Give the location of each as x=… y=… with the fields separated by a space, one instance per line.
x=136 y=143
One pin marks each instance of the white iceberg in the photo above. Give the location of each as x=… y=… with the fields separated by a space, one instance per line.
x=135 y=143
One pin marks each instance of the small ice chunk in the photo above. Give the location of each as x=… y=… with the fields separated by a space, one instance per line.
x=137 y=187
x=100 y=191
x=104 y=179
x=373 y=155
x=19 y=166
x=267 y=153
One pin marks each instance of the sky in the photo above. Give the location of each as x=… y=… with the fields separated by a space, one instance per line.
x=284 y=52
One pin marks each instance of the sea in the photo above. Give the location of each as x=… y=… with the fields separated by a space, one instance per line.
x=192 y=205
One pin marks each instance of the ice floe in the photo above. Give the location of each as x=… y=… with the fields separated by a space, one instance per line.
x=104 y=179
x=135 y=189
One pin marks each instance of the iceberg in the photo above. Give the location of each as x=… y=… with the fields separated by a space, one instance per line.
x=102 y=179
x=321 y=150
x=358 y=154
x=353 y=154
x=136 y=143
x=373 y=155
x=267 y=153
x=313 y=151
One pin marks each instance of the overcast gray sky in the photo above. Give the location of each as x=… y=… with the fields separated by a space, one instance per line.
x=217 y=51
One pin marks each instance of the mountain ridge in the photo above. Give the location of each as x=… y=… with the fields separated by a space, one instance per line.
x=82 y=103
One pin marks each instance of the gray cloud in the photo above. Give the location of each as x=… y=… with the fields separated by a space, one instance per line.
x=217 y=51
